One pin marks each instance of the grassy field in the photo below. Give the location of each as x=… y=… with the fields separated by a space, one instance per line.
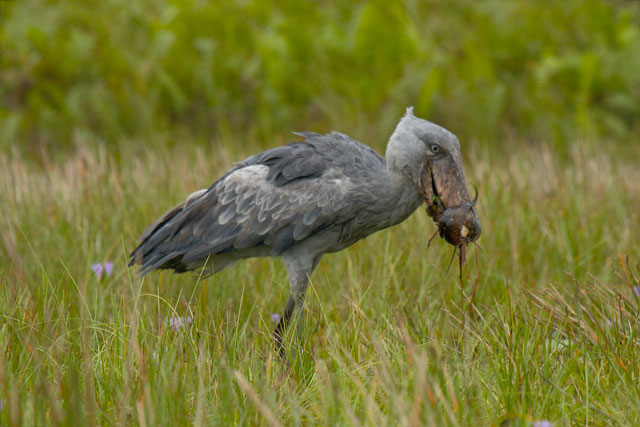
x=391 y=337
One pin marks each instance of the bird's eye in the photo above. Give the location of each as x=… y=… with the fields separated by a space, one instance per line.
x=435 y=149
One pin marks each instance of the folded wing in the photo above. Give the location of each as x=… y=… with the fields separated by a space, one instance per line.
x=274 y=200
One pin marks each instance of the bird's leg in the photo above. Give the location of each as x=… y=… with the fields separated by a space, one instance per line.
x=299 y=270
x=293 y=308
x=279 y=331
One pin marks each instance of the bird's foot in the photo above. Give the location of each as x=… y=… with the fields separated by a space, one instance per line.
x=278 y=338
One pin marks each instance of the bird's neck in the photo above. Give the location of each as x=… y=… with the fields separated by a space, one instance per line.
x=402 y=193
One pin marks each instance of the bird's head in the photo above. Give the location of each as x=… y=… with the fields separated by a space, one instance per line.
x=430 y=156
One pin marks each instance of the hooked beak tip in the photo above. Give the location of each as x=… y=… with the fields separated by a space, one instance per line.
x=475 y=199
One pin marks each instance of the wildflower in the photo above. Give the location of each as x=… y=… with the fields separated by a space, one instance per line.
x=179 y=322
x=543 y=423
x=275 y=318
x=100 y=269
x=636 y=290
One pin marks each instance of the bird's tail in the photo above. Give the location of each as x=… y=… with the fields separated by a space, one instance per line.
x=156 y=247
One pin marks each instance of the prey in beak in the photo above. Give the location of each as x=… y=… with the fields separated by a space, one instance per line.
x=458 y=226
x=447 y=201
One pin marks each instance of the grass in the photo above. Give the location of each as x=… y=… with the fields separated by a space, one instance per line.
x=390 y=337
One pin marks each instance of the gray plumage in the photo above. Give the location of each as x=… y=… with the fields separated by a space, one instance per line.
x=298 y=201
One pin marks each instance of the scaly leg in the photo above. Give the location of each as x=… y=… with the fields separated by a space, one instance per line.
x=299 y=272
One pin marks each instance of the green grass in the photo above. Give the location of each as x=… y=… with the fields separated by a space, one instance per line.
x=390 y=337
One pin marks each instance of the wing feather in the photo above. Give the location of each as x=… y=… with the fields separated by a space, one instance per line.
x=273 y=199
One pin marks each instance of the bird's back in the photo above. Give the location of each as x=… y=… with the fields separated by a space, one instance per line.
x=266 y=204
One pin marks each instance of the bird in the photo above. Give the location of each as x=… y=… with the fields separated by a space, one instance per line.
x=303 y=200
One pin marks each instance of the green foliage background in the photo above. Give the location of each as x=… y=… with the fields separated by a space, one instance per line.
x=114 y=69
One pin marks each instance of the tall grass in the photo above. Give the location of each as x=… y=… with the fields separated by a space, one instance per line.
x=391 y=337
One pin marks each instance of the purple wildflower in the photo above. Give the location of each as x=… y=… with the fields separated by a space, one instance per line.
x=543 y=423
x=100 y=269
x=179 y=322
x=636 y=290
x=275 y=318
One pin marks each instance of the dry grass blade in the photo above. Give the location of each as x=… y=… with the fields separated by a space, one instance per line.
x=591 y=310
x=262 y=407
